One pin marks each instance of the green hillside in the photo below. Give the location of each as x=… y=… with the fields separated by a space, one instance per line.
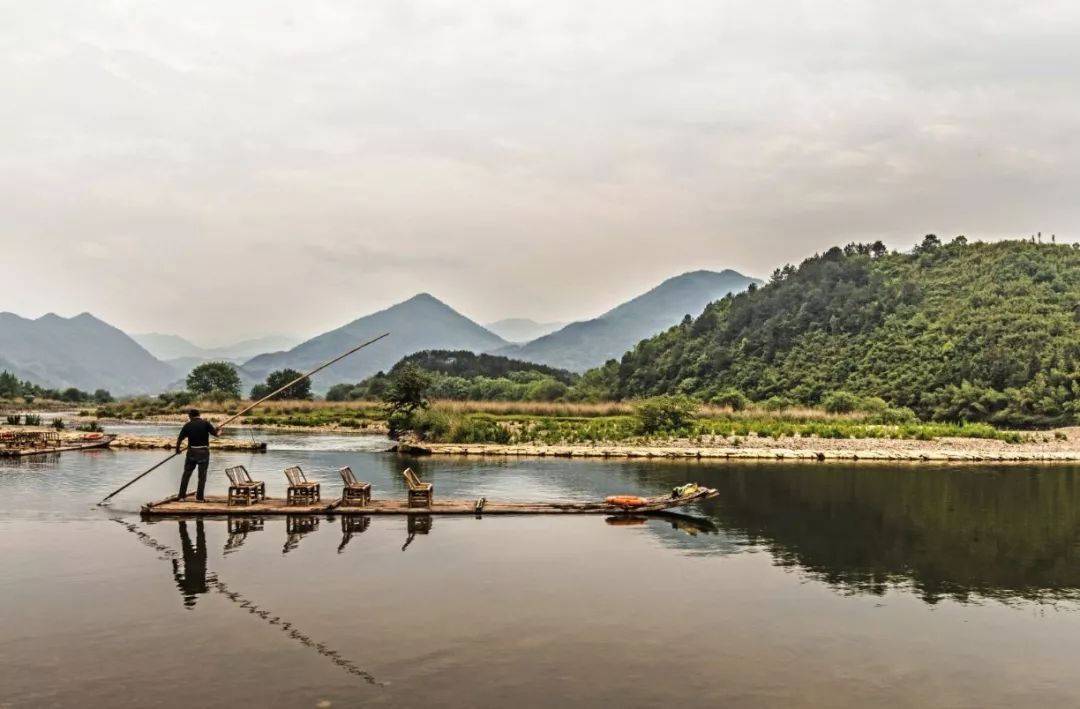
x=462 y=375
x=957 y=331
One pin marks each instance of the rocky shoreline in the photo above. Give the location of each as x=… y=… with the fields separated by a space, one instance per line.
x=952 y=450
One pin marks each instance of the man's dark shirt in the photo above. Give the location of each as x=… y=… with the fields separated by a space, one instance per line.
x=197 y=432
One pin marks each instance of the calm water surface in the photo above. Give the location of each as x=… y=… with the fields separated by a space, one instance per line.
x=800 y=586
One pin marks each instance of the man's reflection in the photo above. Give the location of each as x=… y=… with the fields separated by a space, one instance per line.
x=192 y=581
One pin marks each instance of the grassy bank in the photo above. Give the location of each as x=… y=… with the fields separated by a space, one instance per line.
x=555 y=423
x=453 y=423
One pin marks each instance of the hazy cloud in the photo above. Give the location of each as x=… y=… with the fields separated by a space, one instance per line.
x=295 y=166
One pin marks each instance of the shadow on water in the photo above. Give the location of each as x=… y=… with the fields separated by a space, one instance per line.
x=194 y=580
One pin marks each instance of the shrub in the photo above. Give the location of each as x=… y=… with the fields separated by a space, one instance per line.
x=92 y=427
x=731 y=398
x=666 y=413
x=841 y=402
x=58 y=423
x=778 y=403
x=14 y=419
x=32 y=420
x=896 y=416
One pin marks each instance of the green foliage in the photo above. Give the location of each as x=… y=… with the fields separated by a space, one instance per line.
x=92 y=427
x=102 y=396
x=841 y=402
x=301 y=391
x=338 y=392
x=666 y=413
x=214 y=380
x=32 y=420
x=778 y=403
x=732 y=399
x=408 y=391
x=10 y=386
x=13 y=419
x=259 y=391
x=464 y=376
x=58 y=424
x=953 y=331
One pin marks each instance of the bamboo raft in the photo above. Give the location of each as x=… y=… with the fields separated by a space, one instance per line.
x=278 y=507
x=48 y=443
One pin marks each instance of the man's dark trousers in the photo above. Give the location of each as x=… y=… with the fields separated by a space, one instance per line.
x=195 y=457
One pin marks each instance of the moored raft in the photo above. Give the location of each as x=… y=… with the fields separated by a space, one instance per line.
x=269 y=507
x=19 y=445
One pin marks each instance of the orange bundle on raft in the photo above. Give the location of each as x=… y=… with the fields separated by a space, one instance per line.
x=626 y=500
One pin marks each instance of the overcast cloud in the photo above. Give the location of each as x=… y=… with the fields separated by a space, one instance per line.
x=230 y=169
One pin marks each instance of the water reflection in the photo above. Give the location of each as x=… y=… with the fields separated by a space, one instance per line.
x=296 y=528
x=239 y=528
x=211 y=581
x=191 y=580
x=351 y=525
x=946 y=533
x=417 y=524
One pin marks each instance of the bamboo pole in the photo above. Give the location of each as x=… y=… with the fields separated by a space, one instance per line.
x=235 y=416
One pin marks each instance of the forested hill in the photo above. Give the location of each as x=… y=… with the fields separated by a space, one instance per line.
x=957 y=331
x=469 y=365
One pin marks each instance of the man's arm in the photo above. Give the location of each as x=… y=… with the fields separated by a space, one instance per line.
x=214 y=430
x=181 y=437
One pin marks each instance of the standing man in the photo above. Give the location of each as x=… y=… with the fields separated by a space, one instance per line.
x=197 y=431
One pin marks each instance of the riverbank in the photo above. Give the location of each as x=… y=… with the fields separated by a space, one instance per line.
x=970 y=450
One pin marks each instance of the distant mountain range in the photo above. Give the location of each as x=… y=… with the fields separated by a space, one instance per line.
x=174 y=347
x=87 y=353
x=582 y=345
x=81 y=352
x=522 y=329
x=421 y=323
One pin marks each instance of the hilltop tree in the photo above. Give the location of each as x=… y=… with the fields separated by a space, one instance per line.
x=217 y=379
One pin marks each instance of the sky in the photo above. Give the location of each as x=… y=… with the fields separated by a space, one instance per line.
x=229 y=170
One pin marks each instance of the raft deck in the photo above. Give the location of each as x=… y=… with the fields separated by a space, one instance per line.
x=272 y=507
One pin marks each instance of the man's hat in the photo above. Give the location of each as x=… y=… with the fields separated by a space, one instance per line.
x=193 y=413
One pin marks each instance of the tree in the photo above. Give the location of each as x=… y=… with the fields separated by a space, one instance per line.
x=278 y=379
x=102 y=396
x=338 y=392
x=259 y=391
x=409 y=385
x=219 y=378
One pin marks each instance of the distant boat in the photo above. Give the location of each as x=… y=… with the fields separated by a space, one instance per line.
x=16 y=444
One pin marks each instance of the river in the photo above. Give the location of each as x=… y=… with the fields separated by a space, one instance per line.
x=811 y=585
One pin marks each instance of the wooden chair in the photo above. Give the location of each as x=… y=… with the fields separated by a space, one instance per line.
x=301 y=490
x=242 y=488
x=354 y=490
x=420 y=494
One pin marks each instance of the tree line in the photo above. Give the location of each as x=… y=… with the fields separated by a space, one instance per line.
x=11 y=387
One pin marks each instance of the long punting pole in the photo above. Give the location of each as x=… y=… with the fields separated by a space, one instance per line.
x=232 y=418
